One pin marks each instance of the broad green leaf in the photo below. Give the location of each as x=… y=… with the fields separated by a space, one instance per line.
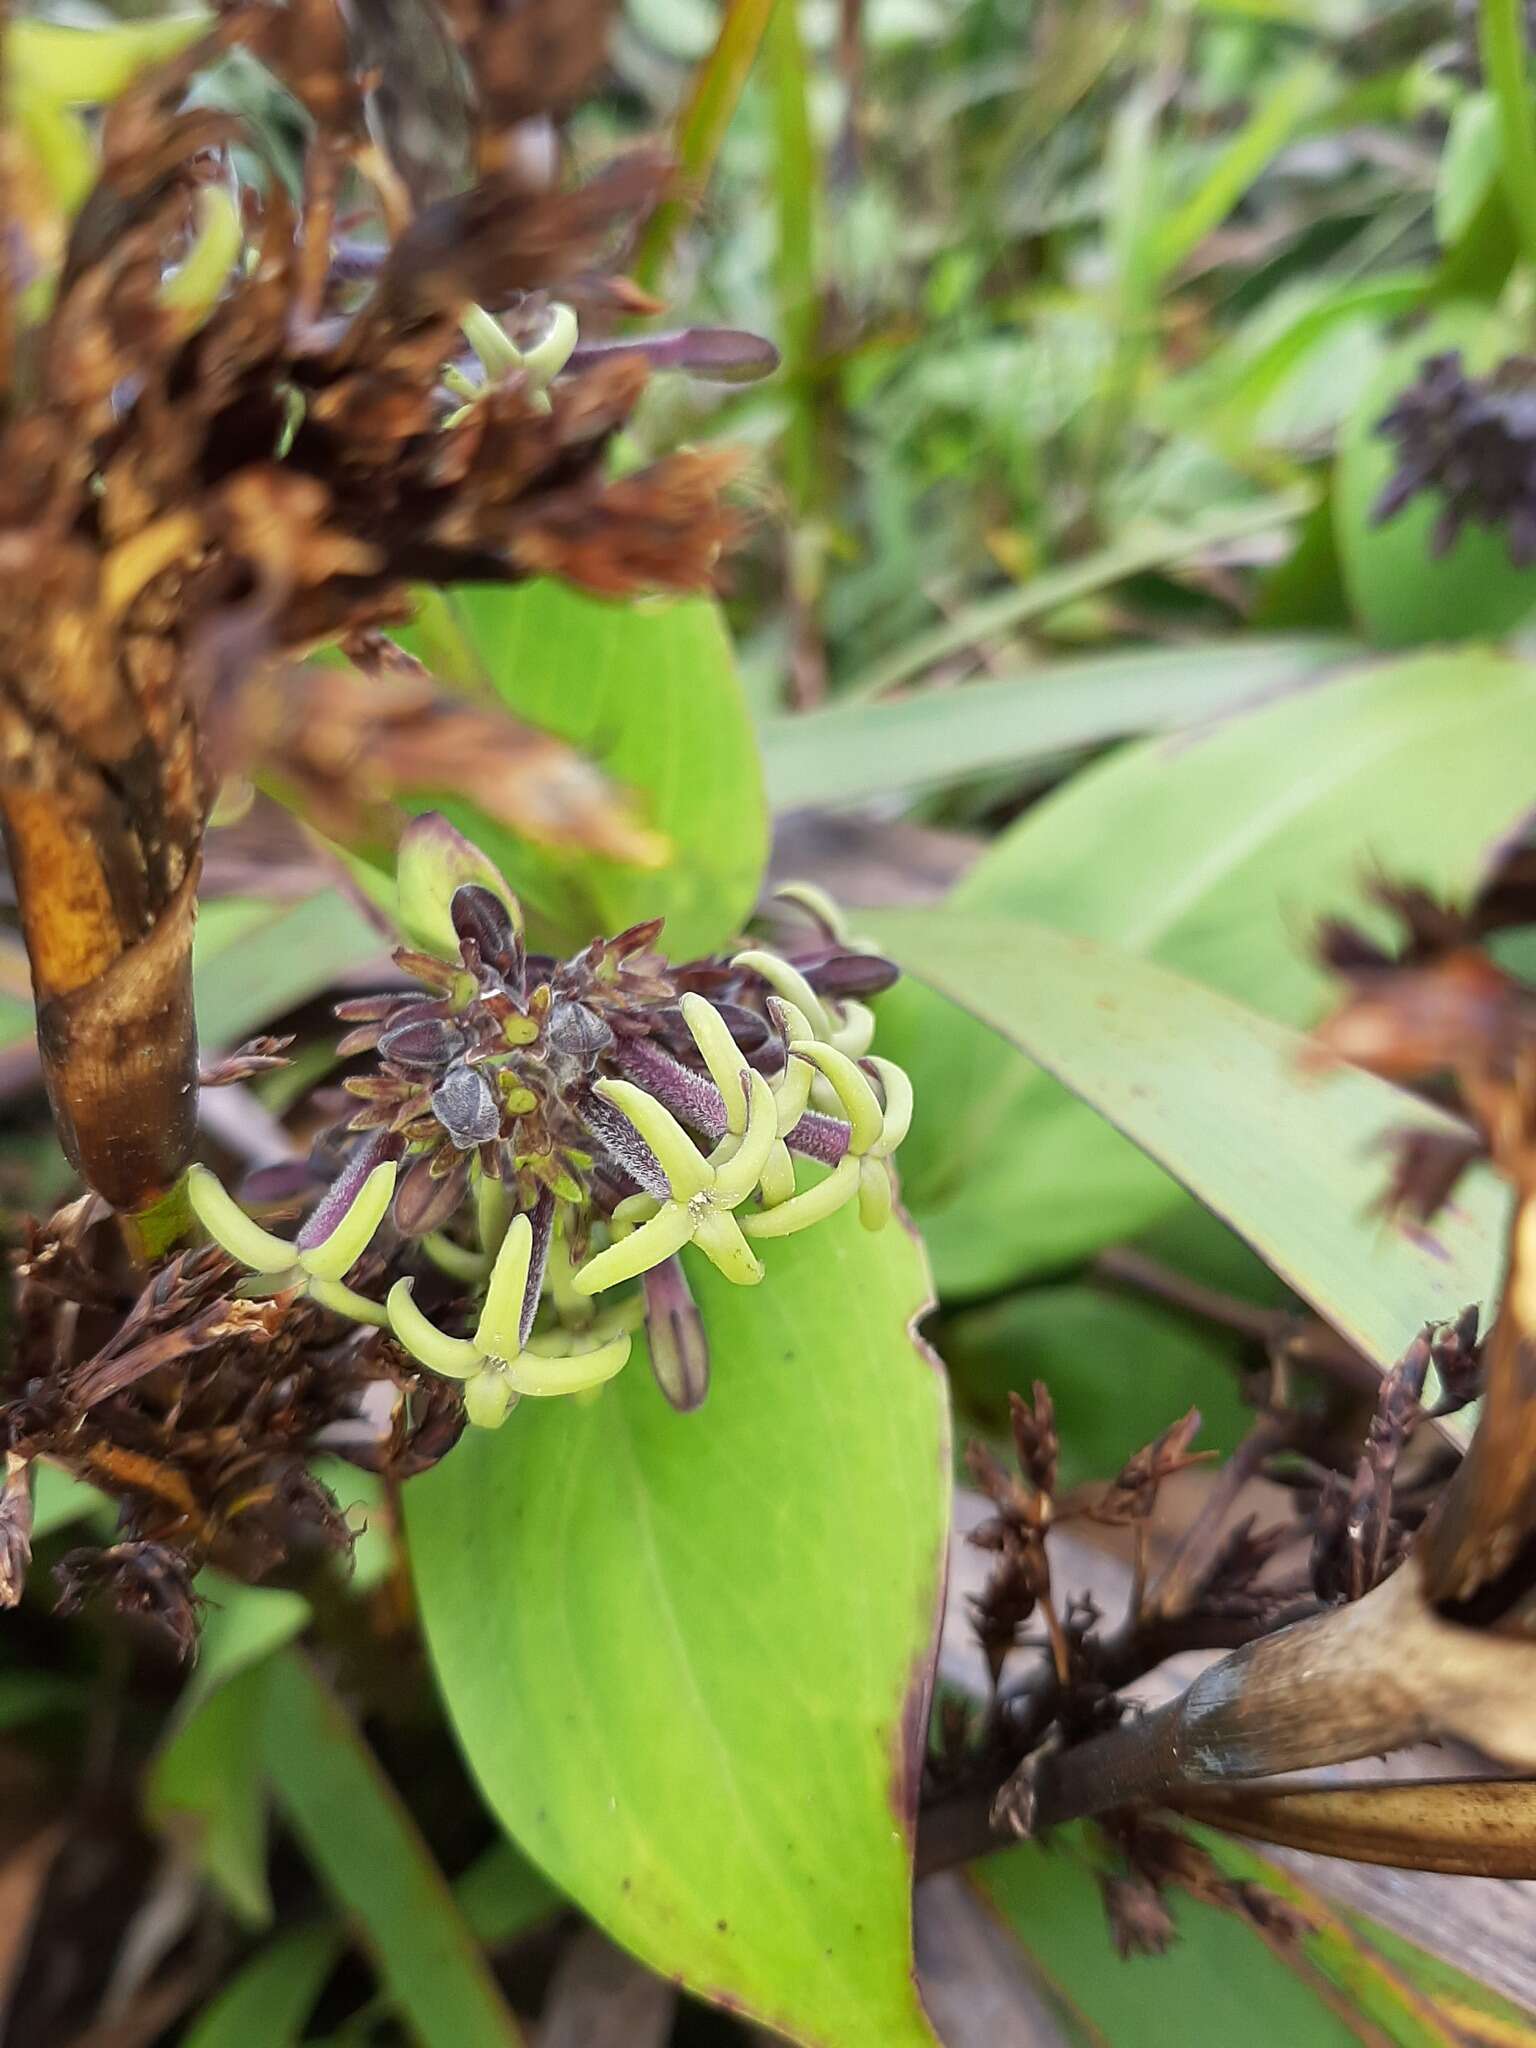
x=650 y=693
x=368 y=1852
x=1116 y=1367
x=1218 y=1984
x=1469 y=163
x=687 y=1656
x=1402 y=595
x=1216 y=1094
x=853 y=751
x=1214 y=855
x=266 y=2005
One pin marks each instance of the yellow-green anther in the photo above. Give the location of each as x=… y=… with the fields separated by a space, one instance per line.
x=229 y=1226
x=456 y=1358
x=499 y=1332
x=345 y=1301
x=549 y=355
x=678 y=1157
x=340 y=1252
x=856 y=1033
x=857 y=1099
x=493 y=1206
x=875 y=1192
x=667 y=1232
x=790 y=983
x=820 y=905
x=488 y=1398
x=541 y=1373
x=778 y=1177
x=898 y=1105
x=195 y=286
x=722 y=1055
x=737 y=1176
x=814 y=1206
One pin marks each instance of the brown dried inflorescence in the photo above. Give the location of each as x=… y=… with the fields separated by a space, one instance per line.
x=191 y=491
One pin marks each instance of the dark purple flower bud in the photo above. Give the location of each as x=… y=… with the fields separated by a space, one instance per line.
x=726 y=355
x=1470 y=442
x=840 y=971
x=542 y=1221
x=486 y=933
x=577 y=1031
x=431 y=1044
x=675 y=1337
x=464 y=1103
x=426 y=1200
x=626 y=1149
x=342 y=1193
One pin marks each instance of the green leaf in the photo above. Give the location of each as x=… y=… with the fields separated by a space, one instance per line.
x=688 y=1656
x=1213 y=855
x=205 y=1791
x=252 y=960
x=365 y=1846
x=650 y=693
x=1216 y=1094
x=205 y=1785
x=58 y=1499
x=852 y=751
x=1218 y=1984
x=266 y=2005
x=1401 y=593
x=502 y=1895
x=1469 y=163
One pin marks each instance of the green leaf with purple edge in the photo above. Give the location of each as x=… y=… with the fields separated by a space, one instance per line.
x=688 y=1656
x=1217 y=1096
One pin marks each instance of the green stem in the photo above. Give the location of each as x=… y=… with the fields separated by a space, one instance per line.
x=1501 y=40
x=152 y=1231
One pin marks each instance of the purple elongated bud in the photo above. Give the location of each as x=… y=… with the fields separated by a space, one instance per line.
x=725 y=355
x=675 y=1336
x=542 y=1220
x=343 y=1190
x=823 y=1138
x=464 y=1103
x=430 y=1043
x=425 y=1200
x=840 y=971
x=692 y=1099
x=488 y=933
x=433 y=859
x=625 y=1146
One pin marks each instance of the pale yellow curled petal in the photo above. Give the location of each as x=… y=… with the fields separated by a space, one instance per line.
x=539 y=1373
x=722 y=1055
x=493 y=1208
x=856 y=1098
x=856 y=1034
x=344 y=1301
x=778 y=1176
x=788 y=982
x=898 y=1105
x=666 y=1232
x=676 y=1154
x=499 y=1332
x=820 y=905
x=875 y=1193
x=737 y=1176
x=229 y=1226
x=488 y=1398
x=340 y=1252
x=549 y=355
x=456 y=1260
x=719 y=1238
x=813 y=1206
x=454 y=1357
x=193 y=288
x=636 y=1209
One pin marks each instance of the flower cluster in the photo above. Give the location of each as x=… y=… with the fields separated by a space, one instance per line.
x=552 y=1130
x=1471 y=442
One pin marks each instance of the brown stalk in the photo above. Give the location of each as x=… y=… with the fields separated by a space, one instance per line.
x=1461 y=1827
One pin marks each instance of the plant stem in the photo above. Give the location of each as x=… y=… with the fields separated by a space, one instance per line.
x=1501 y=43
